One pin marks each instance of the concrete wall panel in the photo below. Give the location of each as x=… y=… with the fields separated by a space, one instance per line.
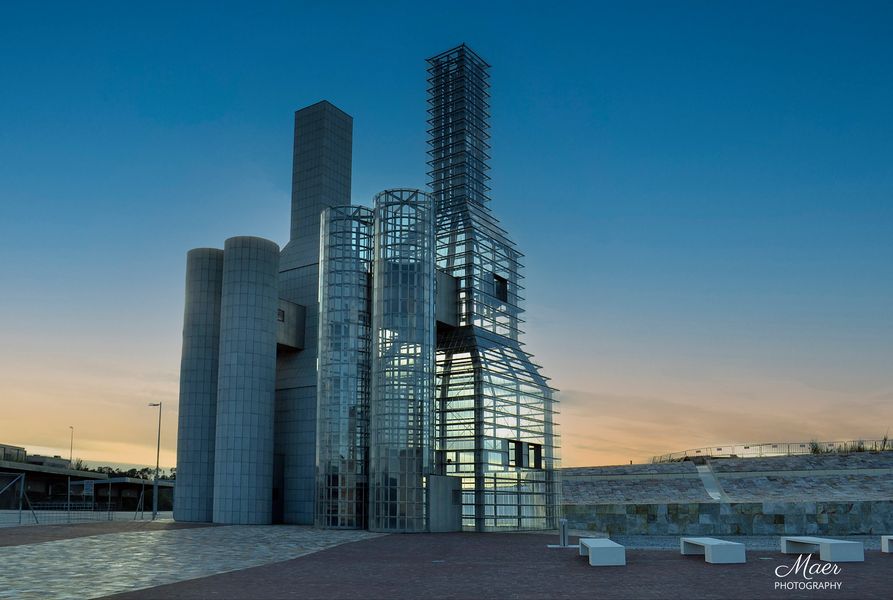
x=198 y=386
x=243 y=466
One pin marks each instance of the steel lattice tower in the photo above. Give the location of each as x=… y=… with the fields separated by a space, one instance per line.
x=495 y=411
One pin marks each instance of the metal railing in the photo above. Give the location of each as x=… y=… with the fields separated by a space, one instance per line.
x=17 y=508
x=777 y=449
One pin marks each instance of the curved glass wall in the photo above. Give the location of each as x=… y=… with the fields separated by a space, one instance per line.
x=403 y=346
x=495 y=430
x=345 y=341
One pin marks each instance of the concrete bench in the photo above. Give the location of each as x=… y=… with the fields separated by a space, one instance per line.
x=885 y=543
x=714 y=551
x=602 y=552
x=829 y=550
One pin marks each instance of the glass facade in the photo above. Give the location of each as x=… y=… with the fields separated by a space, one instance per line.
x=403 y=340
x=404 y=363
x=345 y=342
x=495 y=412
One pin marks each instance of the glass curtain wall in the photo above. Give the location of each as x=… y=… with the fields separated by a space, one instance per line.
x=345 y=342
x=495 y=429
x=495 y=419
x=403 y=348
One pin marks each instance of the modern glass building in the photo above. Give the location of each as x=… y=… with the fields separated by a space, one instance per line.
x=402 y=399
x=495 y=411
x=397 y=395
x=345 y=362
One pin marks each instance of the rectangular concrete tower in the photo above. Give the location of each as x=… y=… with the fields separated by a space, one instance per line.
x=320 y=179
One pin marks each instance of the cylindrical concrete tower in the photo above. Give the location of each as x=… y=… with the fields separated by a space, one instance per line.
x=193 y=499
x=403 y=346
x=243 y=459
x=345 y=345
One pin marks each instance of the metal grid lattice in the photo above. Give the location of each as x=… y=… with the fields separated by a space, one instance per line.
x=345 y=339
x=403 y=346
x=495 y=418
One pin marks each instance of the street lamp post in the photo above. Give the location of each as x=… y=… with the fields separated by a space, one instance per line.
x=70 y=466
x=157 y=458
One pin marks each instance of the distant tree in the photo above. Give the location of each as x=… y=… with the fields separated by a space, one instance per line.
x=147 y=473
x=857 y=446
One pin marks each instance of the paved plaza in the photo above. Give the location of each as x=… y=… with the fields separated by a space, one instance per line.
x=18 y=536
x=99 y=565
x=169 y=560
x=468 y=565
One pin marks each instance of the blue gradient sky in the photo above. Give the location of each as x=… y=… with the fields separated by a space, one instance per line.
x=702 y=190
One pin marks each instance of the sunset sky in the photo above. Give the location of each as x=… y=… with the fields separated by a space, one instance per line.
x=703 y=192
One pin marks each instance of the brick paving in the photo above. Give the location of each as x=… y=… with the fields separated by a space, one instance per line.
x=467 y=565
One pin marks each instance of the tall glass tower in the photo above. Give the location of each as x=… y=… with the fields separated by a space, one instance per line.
x=403 y=350
x=495 y=412
x=345 y=346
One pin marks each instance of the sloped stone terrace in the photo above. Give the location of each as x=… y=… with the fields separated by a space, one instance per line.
x=633 y=484
x=806 y=462
x=829 y=477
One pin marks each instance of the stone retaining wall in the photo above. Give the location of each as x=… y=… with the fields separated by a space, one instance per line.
x=592 y=491
x=737 y=518
x=840 y=478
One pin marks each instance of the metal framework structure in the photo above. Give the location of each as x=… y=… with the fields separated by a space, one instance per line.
x=495 y=419
x=345 y=345
x=403 y=346
x=758 y=450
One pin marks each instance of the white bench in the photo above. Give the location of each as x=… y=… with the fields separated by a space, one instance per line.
x=715 y=551
x=829 y=550
x=602 y=552
x=885 y=543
